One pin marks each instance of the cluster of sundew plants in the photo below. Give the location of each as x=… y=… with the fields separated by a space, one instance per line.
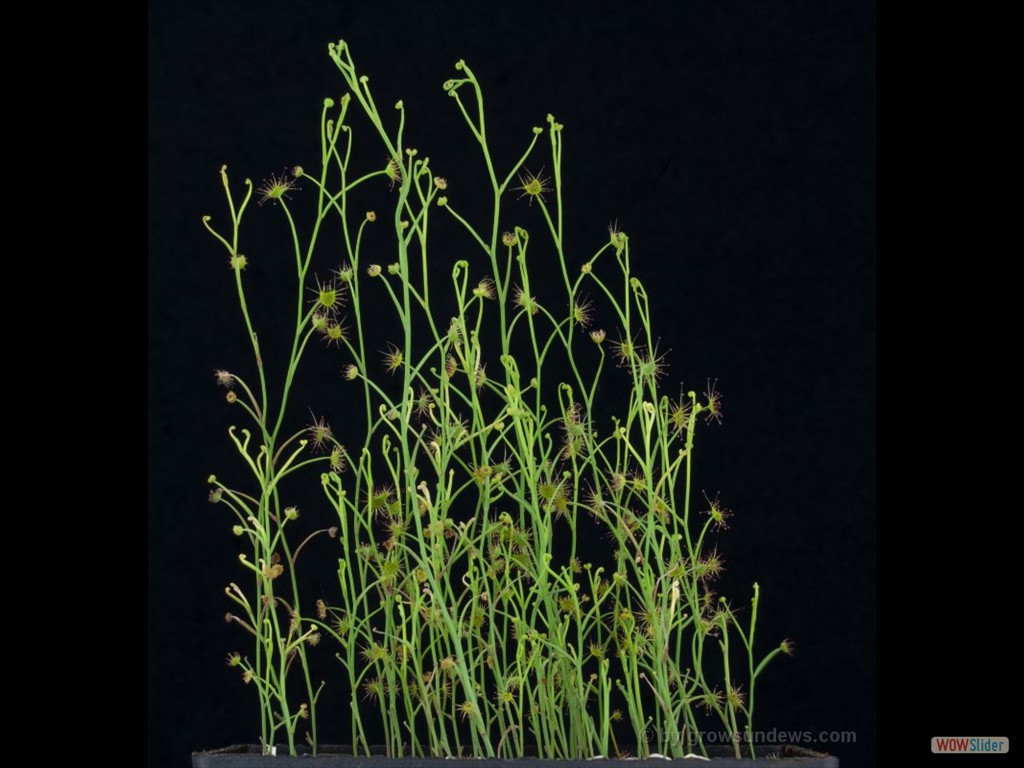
x=467 y=618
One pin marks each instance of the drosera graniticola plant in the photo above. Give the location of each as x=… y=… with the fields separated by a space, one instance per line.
x=475 y=612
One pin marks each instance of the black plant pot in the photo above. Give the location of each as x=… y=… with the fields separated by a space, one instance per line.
x=248 y=756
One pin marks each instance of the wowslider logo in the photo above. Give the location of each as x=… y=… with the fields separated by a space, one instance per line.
x=970 y=744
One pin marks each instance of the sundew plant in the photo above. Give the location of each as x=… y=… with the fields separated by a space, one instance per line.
x=522 y=566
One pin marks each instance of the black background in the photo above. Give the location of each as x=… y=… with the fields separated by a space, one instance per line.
x=734 y=142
